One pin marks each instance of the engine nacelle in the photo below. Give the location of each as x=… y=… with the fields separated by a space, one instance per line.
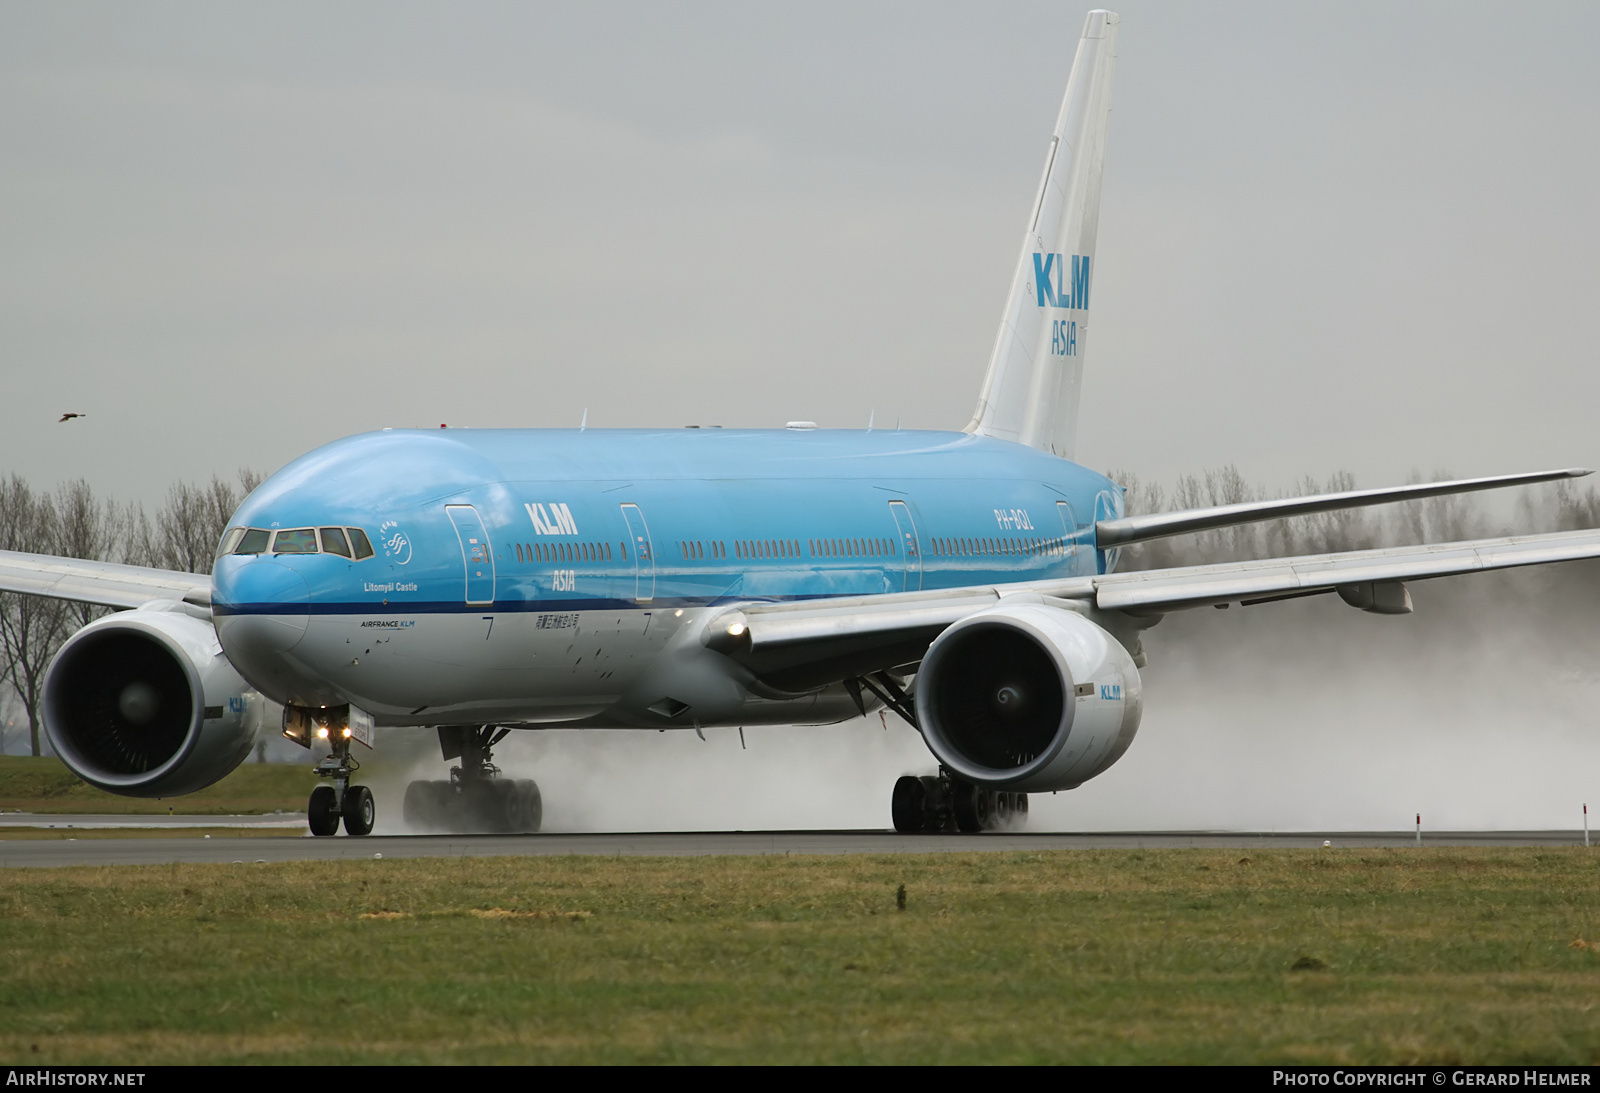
x=1027 y=697
x=144 y=703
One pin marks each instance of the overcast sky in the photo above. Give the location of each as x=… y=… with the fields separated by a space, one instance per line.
x=1335 y=236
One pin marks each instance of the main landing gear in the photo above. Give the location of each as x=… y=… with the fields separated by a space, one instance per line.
x=476 y=798
x=946 y=803
x=340 y=800
x=943 y=802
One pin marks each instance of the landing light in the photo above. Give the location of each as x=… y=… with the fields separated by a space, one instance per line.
x=347 y=734
x=322 y=732
x=736 y=629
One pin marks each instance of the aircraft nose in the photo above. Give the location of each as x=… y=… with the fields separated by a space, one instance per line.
x=265 y=608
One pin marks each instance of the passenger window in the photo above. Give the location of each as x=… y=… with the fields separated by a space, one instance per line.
x=358 y=540
x=333 y=542
x=295 y=541
x=253 y=541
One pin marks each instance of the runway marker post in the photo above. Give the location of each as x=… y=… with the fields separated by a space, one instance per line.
x=1419 y=829
x=1586 y=823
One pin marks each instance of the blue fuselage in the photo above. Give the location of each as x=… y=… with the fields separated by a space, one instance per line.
x=530 y=575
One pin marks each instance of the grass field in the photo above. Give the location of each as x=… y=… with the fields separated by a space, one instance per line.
x=1401 y=956
x=43 y=784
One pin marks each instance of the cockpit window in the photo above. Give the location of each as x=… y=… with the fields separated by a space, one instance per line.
x=333 y=542
x=344 y=542
x=253 y=541
x=296 y=541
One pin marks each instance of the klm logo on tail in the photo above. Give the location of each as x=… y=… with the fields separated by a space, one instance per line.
x=1051 y=286
x=1049 y=275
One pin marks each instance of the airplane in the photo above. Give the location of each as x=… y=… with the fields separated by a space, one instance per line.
x=477 y=582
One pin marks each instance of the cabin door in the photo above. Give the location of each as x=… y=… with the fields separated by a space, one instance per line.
x=1069 y=530
x=644 y=557
x=909 y=550
x=476 y=555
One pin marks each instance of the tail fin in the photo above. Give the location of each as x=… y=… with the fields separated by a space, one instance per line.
x=1030 y=393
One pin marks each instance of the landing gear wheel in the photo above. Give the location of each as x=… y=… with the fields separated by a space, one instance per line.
x=444 y=807
x=503 y=807
x=360 y=811
x=320 y=813
x=1003 y=810
x=475 y=808
x=908 y=806
x=974 y=807
x=527 y=807
x=417 y=809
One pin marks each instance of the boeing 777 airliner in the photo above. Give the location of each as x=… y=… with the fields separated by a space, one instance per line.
x=477 y=582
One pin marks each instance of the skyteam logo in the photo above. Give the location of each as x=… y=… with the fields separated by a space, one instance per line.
x=1050 y=281
x=556 y=521
x=396 y=545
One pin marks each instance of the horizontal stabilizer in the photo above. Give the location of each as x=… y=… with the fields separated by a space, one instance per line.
x=1137 y=529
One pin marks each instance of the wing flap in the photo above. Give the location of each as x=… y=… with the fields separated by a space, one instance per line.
x=104 y=583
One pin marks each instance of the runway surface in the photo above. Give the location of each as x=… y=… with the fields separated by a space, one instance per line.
x=289 y=821
x=198 y=849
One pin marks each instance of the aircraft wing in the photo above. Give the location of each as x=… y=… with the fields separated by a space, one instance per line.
x=104 y=583
x=1138 y=529
x=802 y=643
x=1161 y=590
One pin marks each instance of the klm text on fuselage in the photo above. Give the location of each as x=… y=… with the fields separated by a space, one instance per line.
x=1050 y=284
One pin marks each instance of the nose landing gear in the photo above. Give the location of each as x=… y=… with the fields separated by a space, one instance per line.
x=340 y=801
x=477 y=798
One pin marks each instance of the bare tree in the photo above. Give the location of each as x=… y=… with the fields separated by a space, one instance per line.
x=31 y=627
x=86 y=527
x=192 y=522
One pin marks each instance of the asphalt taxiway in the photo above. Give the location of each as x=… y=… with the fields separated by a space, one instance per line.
x=293 y=847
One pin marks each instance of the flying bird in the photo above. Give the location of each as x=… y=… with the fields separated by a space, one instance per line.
x=69 y=417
